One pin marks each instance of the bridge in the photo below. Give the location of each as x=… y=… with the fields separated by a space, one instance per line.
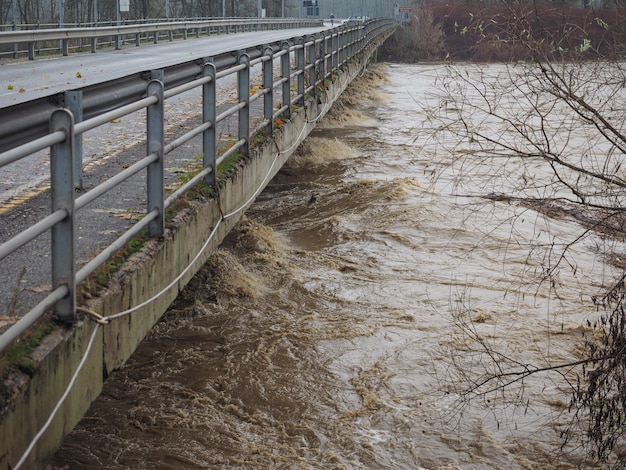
x=114 y=266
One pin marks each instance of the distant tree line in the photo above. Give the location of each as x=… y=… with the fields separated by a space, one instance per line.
x=485 y=32
x=88 y=11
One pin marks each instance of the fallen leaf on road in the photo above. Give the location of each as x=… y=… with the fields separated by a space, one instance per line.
x=40 y=288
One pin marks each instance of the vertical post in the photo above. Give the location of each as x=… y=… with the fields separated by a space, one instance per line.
x=268 y=84
x=62 y=190
x=243 y=92
x=286 y=89
x=301 y=70
x=341 y=41
x=312 y=57
x=74 y=102
x=209 y=113
x=14 y=24
x=334 y=43
x=155 y=145
x=323 y=58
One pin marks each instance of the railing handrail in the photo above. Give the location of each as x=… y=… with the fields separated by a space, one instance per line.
x=81 y=32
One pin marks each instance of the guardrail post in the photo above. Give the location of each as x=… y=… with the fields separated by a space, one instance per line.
x=323 y=59
x=155 y=145
x=312 y=58
x=301 y=69
x=94 y=44
x=74 y=102
x=285 y=72
x=243 y=92
x=334 y=46
x=341 y=48
x=64 y=47
x=62 y=234
x=268 y=85
x=15 y=49
x=209 y=114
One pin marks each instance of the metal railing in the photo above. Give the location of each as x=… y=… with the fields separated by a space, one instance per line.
x=59 y=129
x=72 y=37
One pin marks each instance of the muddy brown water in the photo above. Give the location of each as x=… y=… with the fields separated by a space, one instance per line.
x=325 y=331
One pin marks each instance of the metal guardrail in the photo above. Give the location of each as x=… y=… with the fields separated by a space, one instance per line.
x=33 y=37
x=45 y=125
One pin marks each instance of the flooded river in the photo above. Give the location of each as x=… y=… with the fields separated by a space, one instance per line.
x=341 y=322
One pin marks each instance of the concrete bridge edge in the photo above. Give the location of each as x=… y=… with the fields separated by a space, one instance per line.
x=145 y=274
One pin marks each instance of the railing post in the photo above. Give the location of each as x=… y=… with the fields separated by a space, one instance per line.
x=285 y=72
x=243 y=92
x=74 y=102
x=15 y=46
x=301 y=69
x=155 y=145
x=323 y=59
x=62 y=234
x=209 y=114
x=341 y=48
x=268 y=85
x=334 y=46
x=312 y=58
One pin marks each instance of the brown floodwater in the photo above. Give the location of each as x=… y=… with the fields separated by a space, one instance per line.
x=339 y=323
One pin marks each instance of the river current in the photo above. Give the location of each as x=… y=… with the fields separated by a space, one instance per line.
x=340 y=323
